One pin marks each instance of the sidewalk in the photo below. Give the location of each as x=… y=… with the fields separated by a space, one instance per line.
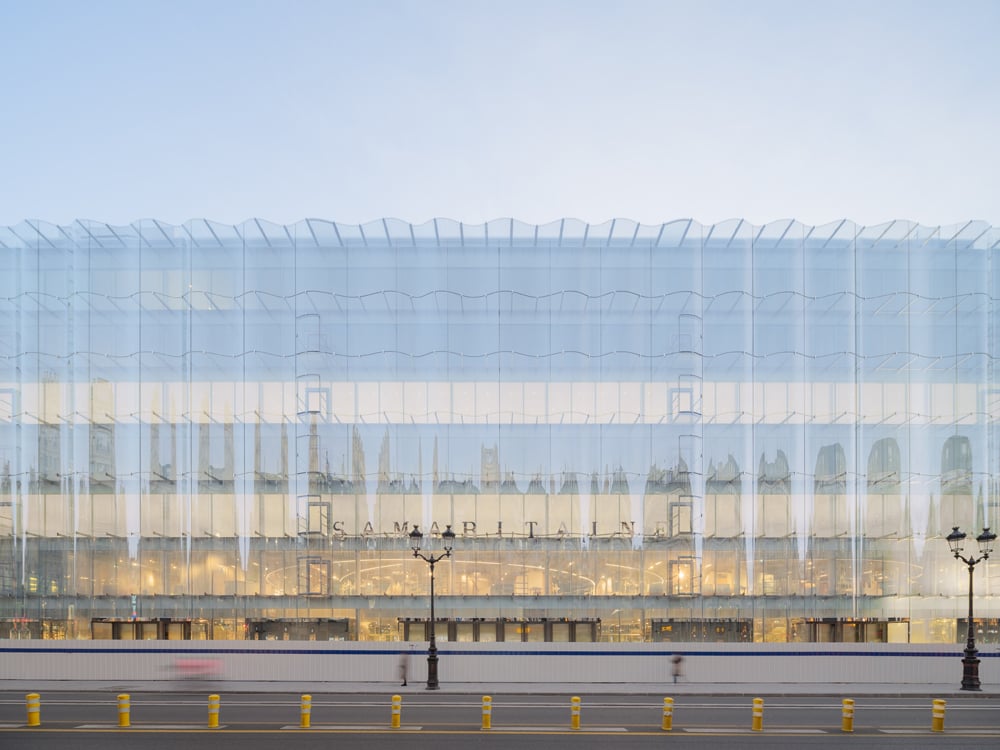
x=683 y=688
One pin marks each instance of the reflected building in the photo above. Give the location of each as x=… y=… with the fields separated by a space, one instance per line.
x=638 y=432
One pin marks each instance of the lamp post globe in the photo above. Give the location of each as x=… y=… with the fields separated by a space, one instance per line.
x=416 y=538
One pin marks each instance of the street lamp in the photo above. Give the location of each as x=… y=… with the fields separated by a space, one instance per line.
x=970 y=671
x=447 y=539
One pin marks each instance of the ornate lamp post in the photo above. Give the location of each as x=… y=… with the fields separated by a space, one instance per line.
x=970 y=663
x=447 y=539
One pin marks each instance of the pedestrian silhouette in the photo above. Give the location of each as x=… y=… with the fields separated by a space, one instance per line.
x=404 y=665
x=677 y=662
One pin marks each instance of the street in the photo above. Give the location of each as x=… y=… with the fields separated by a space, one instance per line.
x=247 y=721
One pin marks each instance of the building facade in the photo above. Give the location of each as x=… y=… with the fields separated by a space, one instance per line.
x=637 y=432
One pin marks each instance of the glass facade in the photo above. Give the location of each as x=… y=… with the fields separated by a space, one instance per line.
x=674 y=431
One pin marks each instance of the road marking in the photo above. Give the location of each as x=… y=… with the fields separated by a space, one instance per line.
x=988 y=731
x=717 y=730
x=725 y=730
x=581 y=730
x=147 y=726
x=356 y=727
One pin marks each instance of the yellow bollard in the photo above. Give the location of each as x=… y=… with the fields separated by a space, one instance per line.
x=757 y=724
x=487 y=712
x=574 y=713
x=668 y=714
x=937 y=715
x=847 y=716
x=124 y=709
x=305 y=711
x=397 y=710
x=33 y=701
x=213 y=712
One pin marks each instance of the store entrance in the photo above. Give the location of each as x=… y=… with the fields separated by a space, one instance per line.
x=488 y=630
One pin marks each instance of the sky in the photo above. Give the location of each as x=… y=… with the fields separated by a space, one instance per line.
x=475 y=110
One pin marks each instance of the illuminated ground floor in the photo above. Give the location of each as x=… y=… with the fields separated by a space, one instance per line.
x=609 y=588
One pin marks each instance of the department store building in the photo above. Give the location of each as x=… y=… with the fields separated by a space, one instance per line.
x=669 y=432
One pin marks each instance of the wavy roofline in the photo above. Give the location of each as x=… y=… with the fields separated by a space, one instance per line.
x=394 y=231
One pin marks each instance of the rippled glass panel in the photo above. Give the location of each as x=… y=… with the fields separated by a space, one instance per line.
x=729 y=431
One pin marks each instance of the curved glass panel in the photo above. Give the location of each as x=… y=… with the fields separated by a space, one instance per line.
x=729 y=431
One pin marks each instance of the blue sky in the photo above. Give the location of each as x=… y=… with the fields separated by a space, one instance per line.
x=478 y=110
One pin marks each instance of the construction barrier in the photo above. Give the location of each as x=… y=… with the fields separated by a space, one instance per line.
x=574 y=713
x=937 y=715
x=397 y=710
x=668 y=714
x=757 y=723
x=124 y=710
x=292 y=665
x=305 y=711
x=213 y=712
x=847 y=716
x=487 y=712
x=33 y=702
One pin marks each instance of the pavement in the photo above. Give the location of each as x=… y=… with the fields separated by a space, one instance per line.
x=773 y=689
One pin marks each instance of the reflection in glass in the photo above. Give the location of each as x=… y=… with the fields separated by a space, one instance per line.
x=721 y=432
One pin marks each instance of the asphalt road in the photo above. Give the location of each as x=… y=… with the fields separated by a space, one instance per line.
x=442 y=721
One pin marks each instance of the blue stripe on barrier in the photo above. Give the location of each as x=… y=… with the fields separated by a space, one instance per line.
x=490 y=652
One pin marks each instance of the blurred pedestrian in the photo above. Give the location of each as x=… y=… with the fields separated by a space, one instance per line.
x=404 y=665
x=677 y=663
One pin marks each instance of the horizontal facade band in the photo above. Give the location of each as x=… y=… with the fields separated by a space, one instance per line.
x=687 y=401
